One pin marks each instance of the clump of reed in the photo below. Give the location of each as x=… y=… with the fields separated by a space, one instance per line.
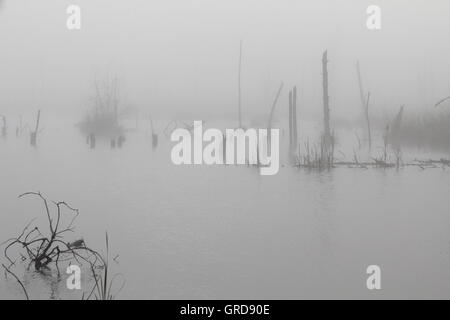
x=317 y=156
x=103 y=282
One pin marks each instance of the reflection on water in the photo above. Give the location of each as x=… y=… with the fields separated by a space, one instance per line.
x=227 y=232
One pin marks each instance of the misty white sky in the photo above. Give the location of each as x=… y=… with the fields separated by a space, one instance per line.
x=180 y=57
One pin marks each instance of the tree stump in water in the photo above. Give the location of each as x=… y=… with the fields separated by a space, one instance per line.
x=92 y=141
x=120 y=141
x=154 y=140
x=4 y=127
x=33 y=139
x=33 y=135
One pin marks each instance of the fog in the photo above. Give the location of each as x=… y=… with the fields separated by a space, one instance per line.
x=180 y=58
x=88 y=116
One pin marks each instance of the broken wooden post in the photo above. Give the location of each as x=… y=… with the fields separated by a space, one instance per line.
x=154 y=135
x=19 y=128
x=120 y=140
x=224 y=149
x=154 y=140
x=92 y=140
x=326 y=107
x=33 y=135
x=4 y=127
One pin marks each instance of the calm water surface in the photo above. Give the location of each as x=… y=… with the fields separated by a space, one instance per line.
x=226 y=232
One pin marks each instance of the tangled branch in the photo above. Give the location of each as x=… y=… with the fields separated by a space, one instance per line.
x=42 y=249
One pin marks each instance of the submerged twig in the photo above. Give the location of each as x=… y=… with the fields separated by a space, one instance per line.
x=18 y=280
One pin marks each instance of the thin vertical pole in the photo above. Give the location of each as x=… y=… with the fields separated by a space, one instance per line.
x=239 y=84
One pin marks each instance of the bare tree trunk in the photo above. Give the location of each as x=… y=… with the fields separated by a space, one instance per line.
x=293 y=124
x=395 y=128
x=361 y=89
x=398 y=121
x=37 y=121
x=99 y=100
x=272 y=110
x=326 y=107
x=294 y=120
x=441 y=101
x=364 y=104
x=290 y=125
x=20 y=127
x=369 y=134
x=239 y=85
x=115 y=101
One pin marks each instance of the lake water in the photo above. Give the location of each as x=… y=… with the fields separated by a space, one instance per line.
x=226 y=232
